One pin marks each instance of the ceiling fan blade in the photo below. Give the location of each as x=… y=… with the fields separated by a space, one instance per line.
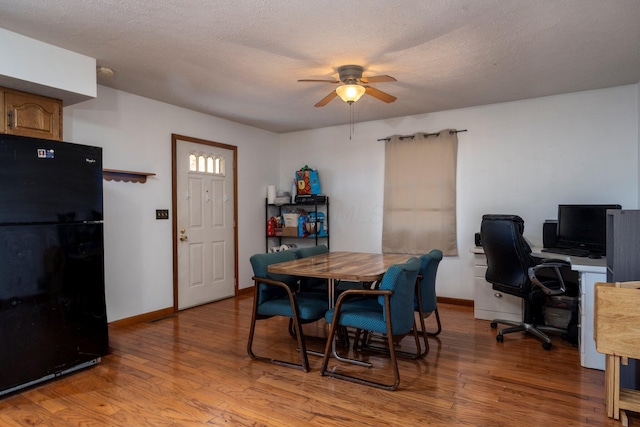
x=314 y=80
x=382 y=96
x=378 y=79
x=324 y=101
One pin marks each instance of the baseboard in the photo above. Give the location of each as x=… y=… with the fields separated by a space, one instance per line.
x=244 y=291
x=456 y=301
x=142 y=318
x=159 y=314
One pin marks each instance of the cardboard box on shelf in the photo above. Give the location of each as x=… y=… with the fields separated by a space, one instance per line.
x=290 y=231
x=290 y=220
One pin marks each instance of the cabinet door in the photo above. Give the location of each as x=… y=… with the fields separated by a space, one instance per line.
x=32 y=115
x=490 y=304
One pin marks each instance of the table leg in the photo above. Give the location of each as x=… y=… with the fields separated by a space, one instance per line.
x=609 y=383
x=616 y=389
x=624 y=420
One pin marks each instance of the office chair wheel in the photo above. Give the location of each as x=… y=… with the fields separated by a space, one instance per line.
x=500 y=338
x=546 y=345
x=494 y=325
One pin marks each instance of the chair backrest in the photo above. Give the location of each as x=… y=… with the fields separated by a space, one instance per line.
x=260 y=264
x=311 y=251
x=508 y=253
x=428 y=270
x=401 y=279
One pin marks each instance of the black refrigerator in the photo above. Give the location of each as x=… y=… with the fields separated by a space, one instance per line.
x=52 y=305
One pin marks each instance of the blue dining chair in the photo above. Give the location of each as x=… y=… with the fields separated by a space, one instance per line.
x=391 y=315
x=275 y=295
x=426 y=302
x=312 y=284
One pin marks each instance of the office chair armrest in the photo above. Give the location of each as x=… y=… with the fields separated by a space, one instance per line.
x=555 y=266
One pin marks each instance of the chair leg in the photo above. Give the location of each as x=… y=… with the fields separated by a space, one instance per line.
x=419 y=353
x=392 y=350
x=392 y=353
x=304 y=365
x=327 y=349
x=292 y=330
x=424 y=332
x=495 y=322
x=535 y=330
x=437 y=332
x=425 y=336
x=343 y=337
x=301 y=344
x=360 y=339
x=251 y=334
x=537 y=333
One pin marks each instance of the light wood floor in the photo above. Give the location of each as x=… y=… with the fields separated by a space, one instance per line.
x=192 y=369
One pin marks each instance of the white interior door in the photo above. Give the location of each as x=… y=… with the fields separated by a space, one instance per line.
x=205 y=235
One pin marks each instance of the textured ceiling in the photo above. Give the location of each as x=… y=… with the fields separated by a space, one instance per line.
x=240 y=59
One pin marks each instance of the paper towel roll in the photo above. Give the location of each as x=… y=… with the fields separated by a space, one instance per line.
x=271 y=194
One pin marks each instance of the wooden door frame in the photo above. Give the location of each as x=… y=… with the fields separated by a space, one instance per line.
x=174 y=188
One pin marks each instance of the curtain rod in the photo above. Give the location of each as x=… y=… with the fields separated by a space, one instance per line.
x=451 y=132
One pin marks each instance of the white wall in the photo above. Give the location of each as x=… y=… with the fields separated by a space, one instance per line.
x=135 y=134
x=521 y=157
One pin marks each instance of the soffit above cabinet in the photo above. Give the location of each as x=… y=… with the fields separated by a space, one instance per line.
x=40 y=68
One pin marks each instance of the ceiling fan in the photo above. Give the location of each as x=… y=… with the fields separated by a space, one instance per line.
x=354 y=86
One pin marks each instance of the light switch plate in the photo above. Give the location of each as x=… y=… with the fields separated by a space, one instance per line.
x=162 y=213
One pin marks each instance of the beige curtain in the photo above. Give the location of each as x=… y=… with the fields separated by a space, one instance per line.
x=420 y=193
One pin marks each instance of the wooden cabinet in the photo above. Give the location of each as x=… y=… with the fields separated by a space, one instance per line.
x=617 y=336
x=623 y=265
x=30 y=115
x=623 y=245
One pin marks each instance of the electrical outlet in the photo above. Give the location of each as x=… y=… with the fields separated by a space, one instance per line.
x=162 y=213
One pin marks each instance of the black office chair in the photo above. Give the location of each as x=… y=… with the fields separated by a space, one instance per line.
x=511 y=269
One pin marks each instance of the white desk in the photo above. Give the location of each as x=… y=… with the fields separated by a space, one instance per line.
x=589 y=271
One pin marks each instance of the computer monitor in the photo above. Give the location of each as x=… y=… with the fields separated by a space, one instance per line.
x=583 y=227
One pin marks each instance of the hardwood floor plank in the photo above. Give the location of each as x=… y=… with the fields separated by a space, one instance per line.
x=192 y=369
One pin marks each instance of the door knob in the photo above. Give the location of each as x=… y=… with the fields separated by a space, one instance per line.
x=183 y=237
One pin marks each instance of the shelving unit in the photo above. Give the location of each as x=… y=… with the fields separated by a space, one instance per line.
x=311 y=206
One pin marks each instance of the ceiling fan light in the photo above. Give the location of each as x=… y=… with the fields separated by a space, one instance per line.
x=350 y=93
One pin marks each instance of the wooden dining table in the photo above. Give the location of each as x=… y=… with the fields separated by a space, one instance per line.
x=340 y=265
x=337 y=266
